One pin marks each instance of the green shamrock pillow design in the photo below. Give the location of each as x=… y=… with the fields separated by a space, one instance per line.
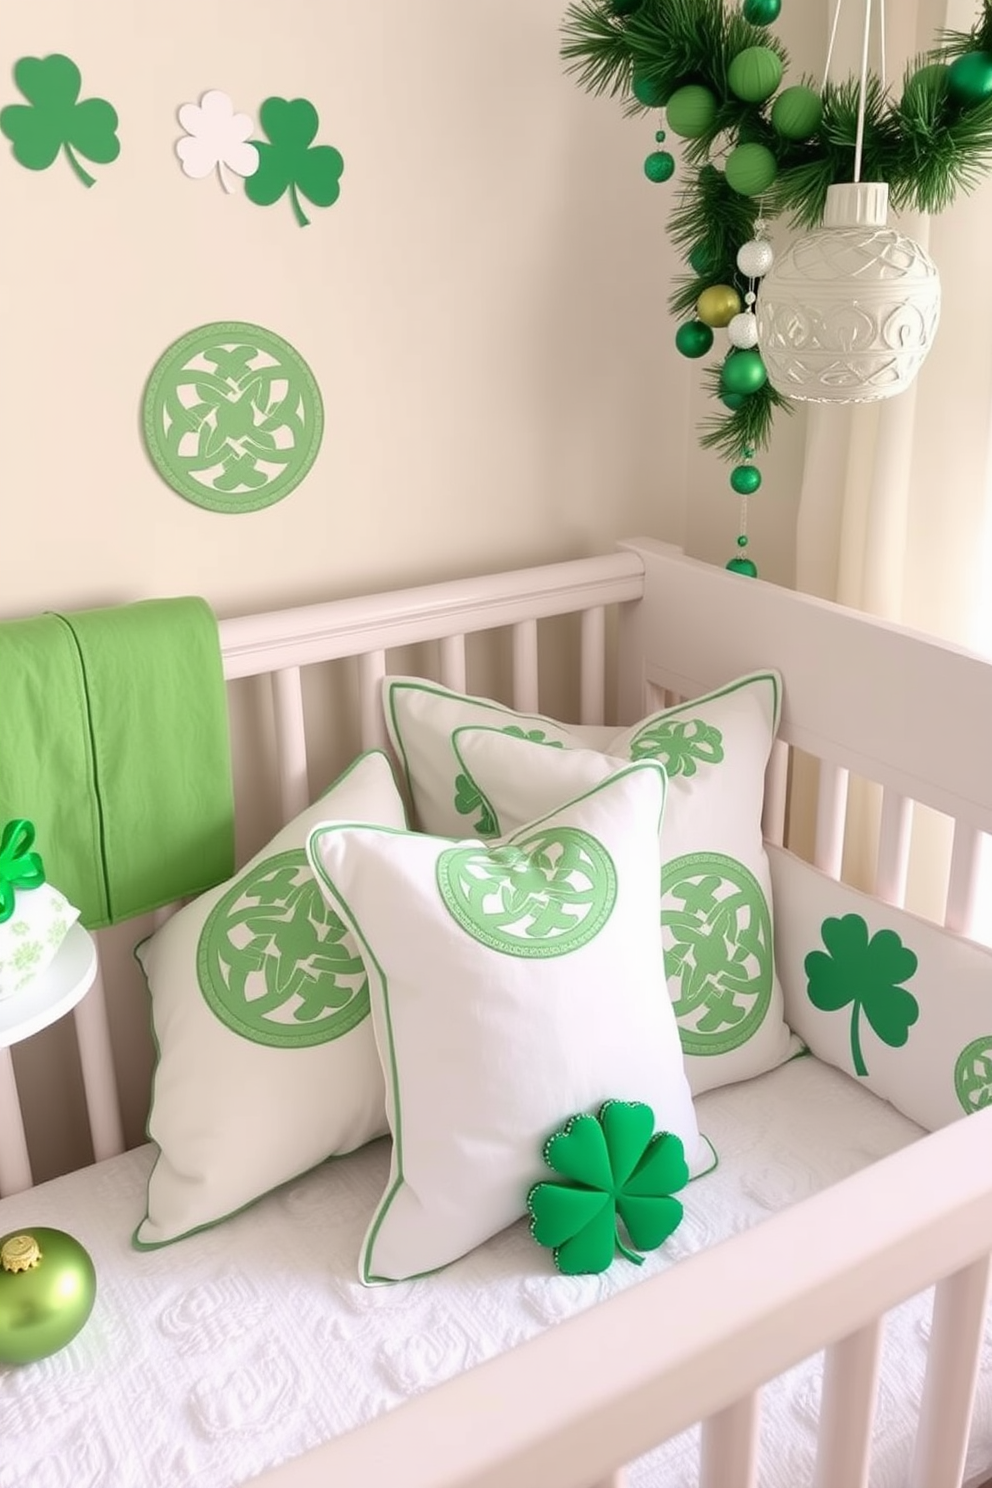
x=617 y=1170
x=866 y=973
x=55 y=119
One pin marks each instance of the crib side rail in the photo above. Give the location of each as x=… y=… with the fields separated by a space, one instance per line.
x=695 y=1342
x=875 y=699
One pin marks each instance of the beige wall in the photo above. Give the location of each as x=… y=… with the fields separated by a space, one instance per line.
x=484 y=309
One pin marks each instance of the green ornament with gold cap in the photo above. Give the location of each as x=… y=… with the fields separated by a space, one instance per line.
x=47 y=1291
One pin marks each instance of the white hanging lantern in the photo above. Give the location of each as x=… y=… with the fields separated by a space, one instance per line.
x=848 y=313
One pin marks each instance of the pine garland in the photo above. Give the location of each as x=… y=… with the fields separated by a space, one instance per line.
x=927 y=144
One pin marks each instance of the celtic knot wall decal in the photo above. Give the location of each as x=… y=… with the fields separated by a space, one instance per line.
x=276 y=964
x=232 y=417
x=544 y=896
x=717 y=934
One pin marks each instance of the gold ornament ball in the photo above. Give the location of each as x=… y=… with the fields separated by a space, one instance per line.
x=718 y=305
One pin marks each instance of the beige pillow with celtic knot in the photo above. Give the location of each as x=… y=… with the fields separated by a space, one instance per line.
x=259 y=1001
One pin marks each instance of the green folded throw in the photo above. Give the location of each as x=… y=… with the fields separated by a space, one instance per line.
x=114 y=742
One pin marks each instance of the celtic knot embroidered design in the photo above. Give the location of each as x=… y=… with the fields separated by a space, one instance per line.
x=544 y=896
x=717 y=934
x=276 y=964
x=681 y=745
x=233 y=417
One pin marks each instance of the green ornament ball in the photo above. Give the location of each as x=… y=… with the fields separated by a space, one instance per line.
x=701 y=260
x=754 y=74
x=745 y=479
x=691 y=111
x=797 y=113
x=47 y=1291
x=761 y=12
x=647 y=91
x=693 y=339
x=624 y=7
x=733 y=401
x=969 y=78
x=750 y=169
x=659 y=166
x=932 y=79
x=743 y=566
x=742 y=541
x=744 y=372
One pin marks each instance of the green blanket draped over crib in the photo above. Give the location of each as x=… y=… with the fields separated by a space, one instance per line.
x=114 y=741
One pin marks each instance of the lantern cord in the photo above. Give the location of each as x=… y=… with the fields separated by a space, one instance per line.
x=830 y=44
x=859 y=142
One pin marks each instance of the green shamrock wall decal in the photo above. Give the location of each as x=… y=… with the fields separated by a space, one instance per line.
x=616 y=1168
x=290 y=161
x=54 y=119
x=866 y=973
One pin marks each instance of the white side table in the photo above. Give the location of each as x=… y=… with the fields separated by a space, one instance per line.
x=57 y=991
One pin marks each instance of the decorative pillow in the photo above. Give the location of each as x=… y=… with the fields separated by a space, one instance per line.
x=716 y=897
x=511 y=983
x=266 y=1057
x=893 y=1000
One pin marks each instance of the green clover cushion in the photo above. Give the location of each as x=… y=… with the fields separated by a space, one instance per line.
x=259 y=1002
x=511 y=981
x=715 y=890
x=895 y=1001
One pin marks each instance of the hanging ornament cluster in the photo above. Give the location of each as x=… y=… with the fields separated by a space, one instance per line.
x=751 y=150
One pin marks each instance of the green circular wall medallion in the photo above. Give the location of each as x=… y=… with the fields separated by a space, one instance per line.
x=973 y=1075
x=717 y=934
x=544 y=896
x=232 y=417
x=275 y=963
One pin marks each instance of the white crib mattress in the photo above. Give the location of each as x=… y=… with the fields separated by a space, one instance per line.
x=217 y=1357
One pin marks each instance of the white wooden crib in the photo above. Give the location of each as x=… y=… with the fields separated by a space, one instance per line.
x=695 y=1344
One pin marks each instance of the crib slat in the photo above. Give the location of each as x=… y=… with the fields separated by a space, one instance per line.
x=956 y=1337
x=847 y=1409
x=525 y=666
x=453 y=671
x=962 y=884
x=618 y=1479
x=776 y=793
x=372 y=723
x=15 y=1165
x=894 y=837
x=291 y=742
x=728 y=1454
x=96 y=1060
x=592 y=695
x=831 y=810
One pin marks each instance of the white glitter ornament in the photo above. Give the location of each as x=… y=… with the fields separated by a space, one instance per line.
x=755 y=258
x=743 y=331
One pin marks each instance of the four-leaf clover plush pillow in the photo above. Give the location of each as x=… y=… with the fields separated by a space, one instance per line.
x=891 y=999
x=259 y=998
x=512 y=983
x=715 y=889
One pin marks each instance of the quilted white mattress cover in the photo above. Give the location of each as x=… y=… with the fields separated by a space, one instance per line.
x=210 y=1360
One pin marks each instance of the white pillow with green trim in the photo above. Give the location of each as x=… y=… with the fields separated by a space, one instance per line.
x=513 y=985
x=894 y=1001
x=259 y=999
x=715 y=892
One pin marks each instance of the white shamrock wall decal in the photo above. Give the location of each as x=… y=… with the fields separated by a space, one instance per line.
x=216 y=137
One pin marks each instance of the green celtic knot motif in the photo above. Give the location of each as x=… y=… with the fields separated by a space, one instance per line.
x=679 y=744
x=973 y=1075
x=276 y=964
x=717 y=934
x=232 y=417
x=544 y=896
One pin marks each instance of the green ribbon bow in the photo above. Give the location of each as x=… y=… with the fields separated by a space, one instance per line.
x=20 y=868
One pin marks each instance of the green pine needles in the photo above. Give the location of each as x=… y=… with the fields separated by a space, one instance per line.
x=929 y=142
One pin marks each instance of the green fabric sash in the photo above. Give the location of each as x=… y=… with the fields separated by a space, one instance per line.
x=114 y=742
